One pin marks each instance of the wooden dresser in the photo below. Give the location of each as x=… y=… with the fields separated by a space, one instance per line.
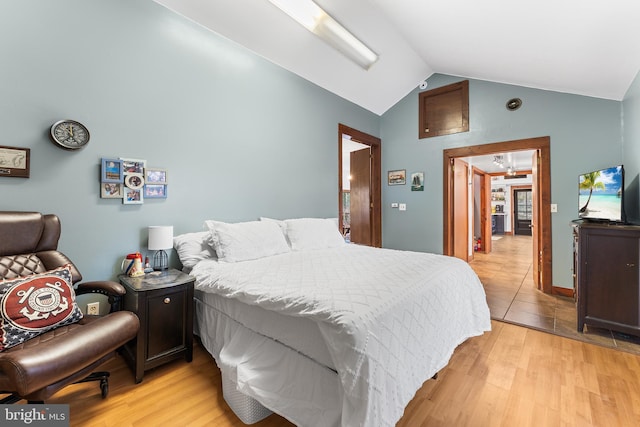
x=607 y=276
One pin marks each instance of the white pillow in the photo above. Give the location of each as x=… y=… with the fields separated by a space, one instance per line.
x=244 y=241
x=313 y=233
x=192 y=248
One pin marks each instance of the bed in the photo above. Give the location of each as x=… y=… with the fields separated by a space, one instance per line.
x=323 y=332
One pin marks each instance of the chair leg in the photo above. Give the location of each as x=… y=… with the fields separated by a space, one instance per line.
x=101 y=376
x=12 y=398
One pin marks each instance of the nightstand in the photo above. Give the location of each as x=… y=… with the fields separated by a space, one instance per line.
x=163 y=302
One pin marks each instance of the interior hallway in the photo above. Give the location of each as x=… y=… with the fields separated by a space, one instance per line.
x=506 y=274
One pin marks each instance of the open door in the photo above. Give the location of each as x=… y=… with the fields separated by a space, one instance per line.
x=535 y=218
x=461 y=209
x=486 y=214
x=360 y=168
x=372 y=212
x=482 y=186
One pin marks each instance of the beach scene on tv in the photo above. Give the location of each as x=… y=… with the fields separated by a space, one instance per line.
x=601 y=194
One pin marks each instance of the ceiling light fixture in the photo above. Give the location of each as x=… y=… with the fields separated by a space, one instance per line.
x=313 y=18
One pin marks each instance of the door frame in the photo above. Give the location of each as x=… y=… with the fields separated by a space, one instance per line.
x=376 y=178
x=543 y=233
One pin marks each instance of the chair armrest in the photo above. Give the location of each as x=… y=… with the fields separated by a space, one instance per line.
x=105 y=287
x=113 y=290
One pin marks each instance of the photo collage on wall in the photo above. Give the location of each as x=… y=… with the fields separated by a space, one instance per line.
x=131 y=181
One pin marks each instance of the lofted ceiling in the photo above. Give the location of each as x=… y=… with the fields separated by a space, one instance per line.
x=584 y=47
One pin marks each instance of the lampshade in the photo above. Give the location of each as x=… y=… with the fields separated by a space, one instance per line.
x=160 y=237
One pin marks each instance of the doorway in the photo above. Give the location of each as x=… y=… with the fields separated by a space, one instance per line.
x=541 y=197
x=359 y=206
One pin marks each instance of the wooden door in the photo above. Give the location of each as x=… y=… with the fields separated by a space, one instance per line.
x=360 y=204
x=486 y=213
x=535 y=217
x=375 y=147
x=460 y=209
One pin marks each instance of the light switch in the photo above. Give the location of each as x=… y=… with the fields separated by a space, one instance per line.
x=394 y=205
x=554 y=207
x=403 y=206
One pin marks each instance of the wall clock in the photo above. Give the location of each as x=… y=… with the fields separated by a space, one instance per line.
x=69 y=134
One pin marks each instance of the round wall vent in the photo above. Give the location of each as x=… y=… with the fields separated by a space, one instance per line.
x=513 y=104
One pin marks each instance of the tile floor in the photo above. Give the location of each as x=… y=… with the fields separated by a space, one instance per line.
x=506 y=274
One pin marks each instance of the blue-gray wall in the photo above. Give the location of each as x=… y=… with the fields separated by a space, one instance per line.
x=239 y=136
x=585 y=135
x=631 y=152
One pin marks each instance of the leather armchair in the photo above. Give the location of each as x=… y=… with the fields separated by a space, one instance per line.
x=39 y=367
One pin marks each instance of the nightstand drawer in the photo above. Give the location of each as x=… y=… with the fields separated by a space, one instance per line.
x=166 y=331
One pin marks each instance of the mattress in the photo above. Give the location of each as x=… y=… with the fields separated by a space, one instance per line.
x=389 y=321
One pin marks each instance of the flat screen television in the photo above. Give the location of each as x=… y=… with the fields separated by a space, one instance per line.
x=601 y=195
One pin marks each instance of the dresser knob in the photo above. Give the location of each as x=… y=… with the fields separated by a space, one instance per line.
x=167 y=300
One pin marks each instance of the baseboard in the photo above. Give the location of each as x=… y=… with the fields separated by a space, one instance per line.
x=565 y=292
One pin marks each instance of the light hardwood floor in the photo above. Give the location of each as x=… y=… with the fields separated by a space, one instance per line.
x=506 y=274
x=511 y=376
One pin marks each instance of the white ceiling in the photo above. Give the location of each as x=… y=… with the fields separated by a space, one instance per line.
x=519 y=160
x=585 y=47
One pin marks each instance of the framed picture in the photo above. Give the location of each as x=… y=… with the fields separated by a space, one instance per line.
x=134 y=181
x=155 y=176
x=133 y=166
x=111 y=190
x=14 y=162
x=155 y=191
x=112 y=170
x=397 y=177
x=133 y=196
x=417 y=181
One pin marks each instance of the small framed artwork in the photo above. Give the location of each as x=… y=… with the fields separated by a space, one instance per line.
x=112 y=170
x=133 y=196
x=134 y=181
x=111 y=190
x=14 y=162
x=397 y=177
x=155 y=191
x=133 y=166
x=155 y=176
x=417 y=181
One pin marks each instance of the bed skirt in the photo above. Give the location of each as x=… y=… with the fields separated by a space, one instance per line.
x=261 y=375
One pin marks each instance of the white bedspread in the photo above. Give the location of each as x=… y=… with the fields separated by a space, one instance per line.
x=391 y=319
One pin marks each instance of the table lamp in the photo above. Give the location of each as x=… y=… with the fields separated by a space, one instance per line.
x=160 y=238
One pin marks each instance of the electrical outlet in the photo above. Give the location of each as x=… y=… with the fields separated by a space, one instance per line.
x=93 y=308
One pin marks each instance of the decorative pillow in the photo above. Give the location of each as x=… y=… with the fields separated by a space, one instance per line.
x=313 y=233
x=244 y=241
x=193 y=247
x=33 y=305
